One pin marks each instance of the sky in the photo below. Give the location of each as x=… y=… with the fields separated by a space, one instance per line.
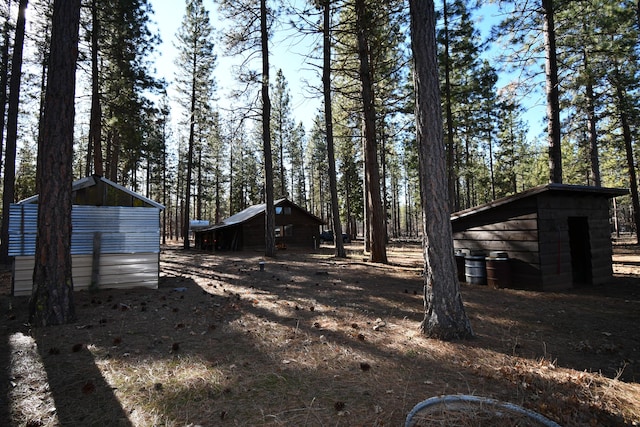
x=287 y=53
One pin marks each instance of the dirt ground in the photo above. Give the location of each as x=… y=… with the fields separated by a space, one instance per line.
x=317 y=341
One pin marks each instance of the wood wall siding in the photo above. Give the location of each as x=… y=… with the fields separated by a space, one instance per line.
x=304 y=230
x=117 y=271
x=535 y=234
x=512 y=229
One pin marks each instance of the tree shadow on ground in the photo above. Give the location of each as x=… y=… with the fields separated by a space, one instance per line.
x=220 y=342
x=52 y=367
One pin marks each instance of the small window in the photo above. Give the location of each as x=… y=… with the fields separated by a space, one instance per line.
x=288 y=230
x=278 y=231
x=283 y=210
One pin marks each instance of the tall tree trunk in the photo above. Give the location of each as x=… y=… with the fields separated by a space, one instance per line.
x=490 y=146
x=164 y=177
x=9 y=177
x=283 y=186
x=218 y=202
x=199 y=185
x=187 y=197
x=553 y=95
x=231 y=180
x=94 y=148
x=622 y=106
x=43 y=90
x=328 y=117
x=366 y=217
x=383 y=182
x=4 y=74
x=270 y=212
x=115 y=156
x=451 y=175
x=593 y=136
x=372 y=175
x=52 y=298
x=445 y=317
x=591 y=119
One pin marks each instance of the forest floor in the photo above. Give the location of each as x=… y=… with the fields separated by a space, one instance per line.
x=317 y=341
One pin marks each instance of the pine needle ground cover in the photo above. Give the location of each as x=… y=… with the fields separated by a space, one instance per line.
x=317 y=341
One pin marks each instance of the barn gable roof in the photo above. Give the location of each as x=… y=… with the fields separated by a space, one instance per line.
x=535 y=191
x=255 y=210
x=94 y=180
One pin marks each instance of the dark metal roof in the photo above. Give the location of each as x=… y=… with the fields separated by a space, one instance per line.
x=253 y=211
x=553 y=188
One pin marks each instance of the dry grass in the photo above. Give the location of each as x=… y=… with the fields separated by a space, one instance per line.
x=317 y=341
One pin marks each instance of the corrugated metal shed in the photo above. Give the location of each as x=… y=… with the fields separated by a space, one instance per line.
x=125 y=224
x=117 y=271
x=123 y=229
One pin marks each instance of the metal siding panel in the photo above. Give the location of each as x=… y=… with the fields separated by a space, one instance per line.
x=117 y=271
x=124 y=229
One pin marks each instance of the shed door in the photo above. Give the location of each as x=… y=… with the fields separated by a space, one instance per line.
x=580 y=246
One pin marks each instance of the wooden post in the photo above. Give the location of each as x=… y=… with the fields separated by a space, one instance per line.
x=95 y=261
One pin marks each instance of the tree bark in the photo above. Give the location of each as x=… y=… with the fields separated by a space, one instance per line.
x=4 y=75
x=270 y=220
x=192 y=125
x=445 y=317
x=328 y=117
x=377 y=233
x=451 y=167
x=593 y=136
x=94 y=149
x=9 y=176
x=51 y=302
x=553 y=95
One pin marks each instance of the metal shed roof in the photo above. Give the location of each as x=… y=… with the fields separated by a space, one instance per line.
x=251 y=212
x=555 y=188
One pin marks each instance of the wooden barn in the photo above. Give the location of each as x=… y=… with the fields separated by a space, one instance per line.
x=295 y=228
x=115 y=240
x=555 y=236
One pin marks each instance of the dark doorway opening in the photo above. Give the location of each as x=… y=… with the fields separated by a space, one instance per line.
x=580 y=247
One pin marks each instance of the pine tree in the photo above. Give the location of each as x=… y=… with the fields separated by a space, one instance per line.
x=445 y=317
x=527 y=33
x=4 y=68
x=282 y=125
x=8 y=192
x=552 y=91
x=94 y=146
x=26 y=172
x=298 y=166
x=377 y=234
x=195 y=84
x=51 y=302
x=318 y=175
x=126 y=43
x=251 y=35
x=468 y=85
x=328 y=119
